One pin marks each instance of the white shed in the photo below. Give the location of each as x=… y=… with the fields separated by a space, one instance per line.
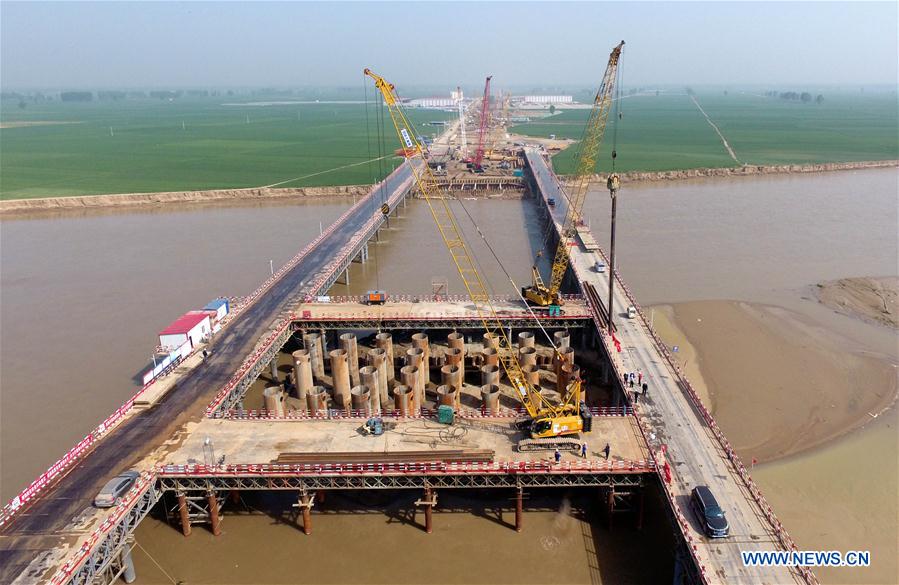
x=191 y=327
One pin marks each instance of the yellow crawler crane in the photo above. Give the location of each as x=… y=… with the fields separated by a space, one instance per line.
x=538 y=293
x=548 y=423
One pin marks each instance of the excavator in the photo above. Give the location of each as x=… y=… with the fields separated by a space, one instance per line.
x=549 y=425
x=539 y=294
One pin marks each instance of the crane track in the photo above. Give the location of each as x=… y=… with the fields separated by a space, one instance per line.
x=550 y=444
x=600 y=307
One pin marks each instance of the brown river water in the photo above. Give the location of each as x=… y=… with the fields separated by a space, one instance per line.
x=83 y=295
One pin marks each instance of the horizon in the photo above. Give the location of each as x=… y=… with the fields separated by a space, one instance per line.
x=227 y=45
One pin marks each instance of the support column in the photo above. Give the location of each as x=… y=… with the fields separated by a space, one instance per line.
x=429 y=501
x=348 y=343
x=274 y=369
x=129 y=575
x=214 y=513
x=518 y=509
x=640 y=510
x=305 y=503
x=611 y=506
x=183 y=512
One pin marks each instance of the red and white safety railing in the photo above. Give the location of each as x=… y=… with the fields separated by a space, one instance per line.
x=464 y=413
x=412 y=467
x=65 y=573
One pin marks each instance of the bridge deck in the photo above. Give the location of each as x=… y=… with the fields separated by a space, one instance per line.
x=249 y=442
x=695 y=455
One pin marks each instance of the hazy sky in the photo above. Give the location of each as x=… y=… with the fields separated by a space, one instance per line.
x=79 y=44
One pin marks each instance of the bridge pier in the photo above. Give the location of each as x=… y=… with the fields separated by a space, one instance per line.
x=184 y=513
x=428 y=502
x=305 y=503
x=214 y=519
x=518 y=508
x=129 y=574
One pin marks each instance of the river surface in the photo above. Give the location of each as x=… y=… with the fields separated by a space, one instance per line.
x=83 y=296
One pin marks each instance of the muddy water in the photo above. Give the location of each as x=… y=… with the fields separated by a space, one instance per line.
x=82 y=297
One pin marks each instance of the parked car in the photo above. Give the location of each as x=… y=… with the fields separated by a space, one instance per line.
x=600 y=266
x=709 y=513
x=632 y=312
x=115 y=488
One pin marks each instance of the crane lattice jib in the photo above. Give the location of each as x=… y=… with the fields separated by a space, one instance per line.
x=586 y=166
x=484 y=123
x=449 y=229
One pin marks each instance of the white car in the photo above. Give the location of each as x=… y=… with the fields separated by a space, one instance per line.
x=599 y=266
x=115 y=488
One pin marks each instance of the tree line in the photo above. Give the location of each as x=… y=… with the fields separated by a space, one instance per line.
x=804 y=97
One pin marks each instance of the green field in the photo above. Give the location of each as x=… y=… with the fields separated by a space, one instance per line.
x=667 y=132
x=216 y=148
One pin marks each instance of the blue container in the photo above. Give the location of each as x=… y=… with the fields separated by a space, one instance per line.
x=518 y=173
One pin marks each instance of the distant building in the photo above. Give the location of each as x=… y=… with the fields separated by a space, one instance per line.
x=433 y=102
x=548 y=99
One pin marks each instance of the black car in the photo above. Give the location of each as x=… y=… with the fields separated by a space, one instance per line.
x=714 y=523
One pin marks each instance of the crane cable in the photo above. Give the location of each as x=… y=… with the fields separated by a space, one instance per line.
x=380 y=172
x=509 y=276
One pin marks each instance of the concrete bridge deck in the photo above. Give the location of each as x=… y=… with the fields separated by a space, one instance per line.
x=675 y=419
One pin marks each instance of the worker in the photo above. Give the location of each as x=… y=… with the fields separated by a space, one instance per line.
x=607 y=450
x=584 y=450
x=205 y=354
x=640 y=377
x=645 y=388
x=558 y=456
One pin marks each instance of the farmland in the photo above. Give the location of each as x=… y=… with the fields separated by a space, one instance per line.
x=667 y=132
x=139 y=146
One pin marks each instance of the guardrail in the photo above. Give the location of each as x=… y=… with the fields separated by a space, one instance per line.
x=417 y=468
x=411 y=298
x=465 y=413
x=735 y=460
x=65 y=573
x=83 y=446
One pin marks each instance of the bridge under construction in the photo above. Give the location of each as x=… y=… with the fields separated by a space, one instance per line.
x=308 y=393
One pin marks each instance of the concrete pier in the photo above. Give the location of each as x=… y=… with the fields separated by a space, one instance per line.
x=415 y=357
x=411 y=378
x=490 y=397
x=491 y=340
x=446 y=395
x=317 y=400
x=378 y=359
x=420 y=341
x=385 y=341
x=348 y=343
x=361 y=399
x=525 y=339
x=403 y=398
x=527 y=356
x=455 y=357
x=456 y=340
x=491 y=356
x=490 y=375
x=562 y=339
x=532 y=373
x=451 y=376
x=370 y=379
x=313 y=343
x=302 y=373
x=341 y=377
x=273 y=397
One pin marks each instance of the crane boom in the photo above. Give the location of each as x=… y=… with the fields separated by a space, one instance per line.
x=482 y=128
x=539 y=293
x=548 y=419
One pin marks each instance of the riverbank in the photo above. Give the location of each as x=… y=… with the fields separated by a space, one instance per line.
x=14 y=207
x=744 y=171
